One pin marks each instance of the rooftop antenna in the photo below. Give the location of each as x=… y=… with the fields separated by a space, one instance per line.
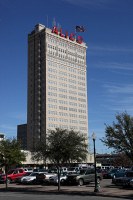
x=58 y=26
x=53 y=22
x=47 y=20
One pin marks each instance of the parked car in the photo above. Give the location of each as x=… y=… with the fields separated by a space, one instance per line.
x=131 y=182
x=72 y=170
x=31 y=179
x=104 y=172
x=44 y=177
x=54 y=179
x=125 y=181
x=120 y=173
x=40 y=170
x=19 y=180
x=12 y=175
x=83 y=177
x=28 y=169
x=111 y=173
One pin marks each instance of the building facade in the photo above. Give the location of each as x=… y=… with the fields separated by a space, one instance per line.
x=22 y=135
x=57 y=85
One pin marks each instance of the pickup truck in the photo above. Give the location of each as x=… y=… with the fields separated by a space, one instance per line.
x=83 y=177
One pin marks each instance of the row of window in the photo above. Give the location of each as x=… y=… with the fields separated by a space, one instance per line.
x=67 y=127
x=73 y=121
x=66 y=68
x=68 y=57
x=62 y=73
x=70 y=65
x=65 y=91
x=72 y=109
x=63 y=43
x=64 y=114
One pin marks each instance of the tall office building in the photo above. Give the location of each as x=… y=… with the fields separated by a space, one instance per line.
x=57 y=85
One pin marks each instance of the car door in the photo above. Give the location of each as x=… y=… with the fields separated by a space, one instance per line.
x=15 y=174
x=87 y=176
x=21 y=173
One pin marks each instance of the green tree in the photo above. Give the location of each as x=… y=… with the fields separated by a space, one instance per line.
x=119 y=135
x=66 y=146
x=10 y=154
x=61 y=147
x=39 y=152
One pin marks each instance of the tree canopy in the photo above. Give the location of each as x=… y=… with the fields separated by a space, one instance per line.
x=62 y=146
x=10 y=152
x=119 y=135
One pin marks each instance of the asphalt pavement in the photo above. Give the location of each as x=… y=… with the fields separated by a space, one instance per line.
x=106 y=189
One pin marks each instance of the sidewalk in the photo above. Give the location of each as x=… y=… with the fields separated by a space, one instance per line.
x=70 y=190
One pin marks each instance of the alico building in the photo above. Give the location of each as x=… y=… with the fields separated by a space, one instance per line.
x=57 y=85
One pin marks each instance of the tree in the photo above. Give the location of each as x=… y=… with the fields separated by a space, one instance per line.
x=61 y=147
x=66 y=146
x=122 y=160
x=40 y=151
x=10 y=154
x=119 y=136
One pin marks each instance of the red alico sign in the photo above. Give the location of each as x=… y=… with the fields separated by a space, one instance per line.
x=72 y=36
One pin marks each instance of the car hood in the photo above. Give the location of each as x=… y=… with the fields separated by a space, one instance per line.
x=29 y=178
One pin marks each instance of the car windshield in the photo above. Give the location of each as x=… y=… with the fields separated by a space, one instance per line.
x=82 y=171
x=33 y=174
x=10 y=172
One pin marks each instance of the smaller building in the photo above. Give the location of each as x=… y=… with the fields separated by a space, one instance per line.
x=22 y=135
x=2 y=136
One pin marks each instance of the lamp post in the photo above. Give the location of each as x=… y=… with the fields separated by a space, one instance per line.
x=96 y=189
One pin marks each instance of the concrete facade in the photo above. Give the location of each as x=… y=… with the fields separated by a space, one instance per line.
x=57 y=85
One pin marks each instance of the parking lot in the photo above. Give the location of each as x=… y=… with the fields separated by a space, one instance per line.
x=106 y=189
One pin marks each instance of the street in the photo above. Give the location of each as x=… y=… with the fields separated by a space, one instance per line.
x=22 y=195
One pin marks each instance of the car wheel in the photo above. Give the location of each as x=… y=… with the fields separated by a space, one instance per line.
x=81 y=182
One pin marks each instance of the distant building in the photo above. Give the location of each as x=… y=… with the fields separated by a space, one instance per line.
x=106 y=160
x=2 y=136
x=22 y=135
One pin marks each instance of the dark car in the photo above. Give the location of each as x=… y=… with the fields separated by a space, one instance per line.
x=83 y=177
x=120 y=173
x=124 y=181
x=111 y=173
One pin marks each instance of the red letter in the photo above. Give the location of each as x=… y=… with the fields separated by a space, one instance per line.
x=55 y=30
x=79 y=39
x=66 y=36
x=71 y=37
x=61 y=34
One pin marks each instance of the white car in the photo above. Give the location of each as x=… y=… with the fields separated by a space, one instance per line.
x=72 y=170
x=131 y=183
x=54 y=179
x=31 y=178
x=28 y=169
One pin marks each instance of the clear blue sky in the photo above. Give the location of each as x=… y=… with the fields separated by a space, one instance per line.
x=109 y=37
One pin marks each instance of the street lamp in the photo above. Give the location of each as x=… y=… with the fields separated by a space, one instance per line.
x=96 y=189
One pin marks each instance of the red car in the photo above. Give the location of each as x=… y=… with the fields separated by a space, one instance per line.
x=12 y=175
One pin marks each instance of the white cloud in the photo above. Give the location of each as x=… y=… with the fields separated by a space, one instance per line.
x=114 y=65
x=118 y=98
x=110 y=49
x=126 y=89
